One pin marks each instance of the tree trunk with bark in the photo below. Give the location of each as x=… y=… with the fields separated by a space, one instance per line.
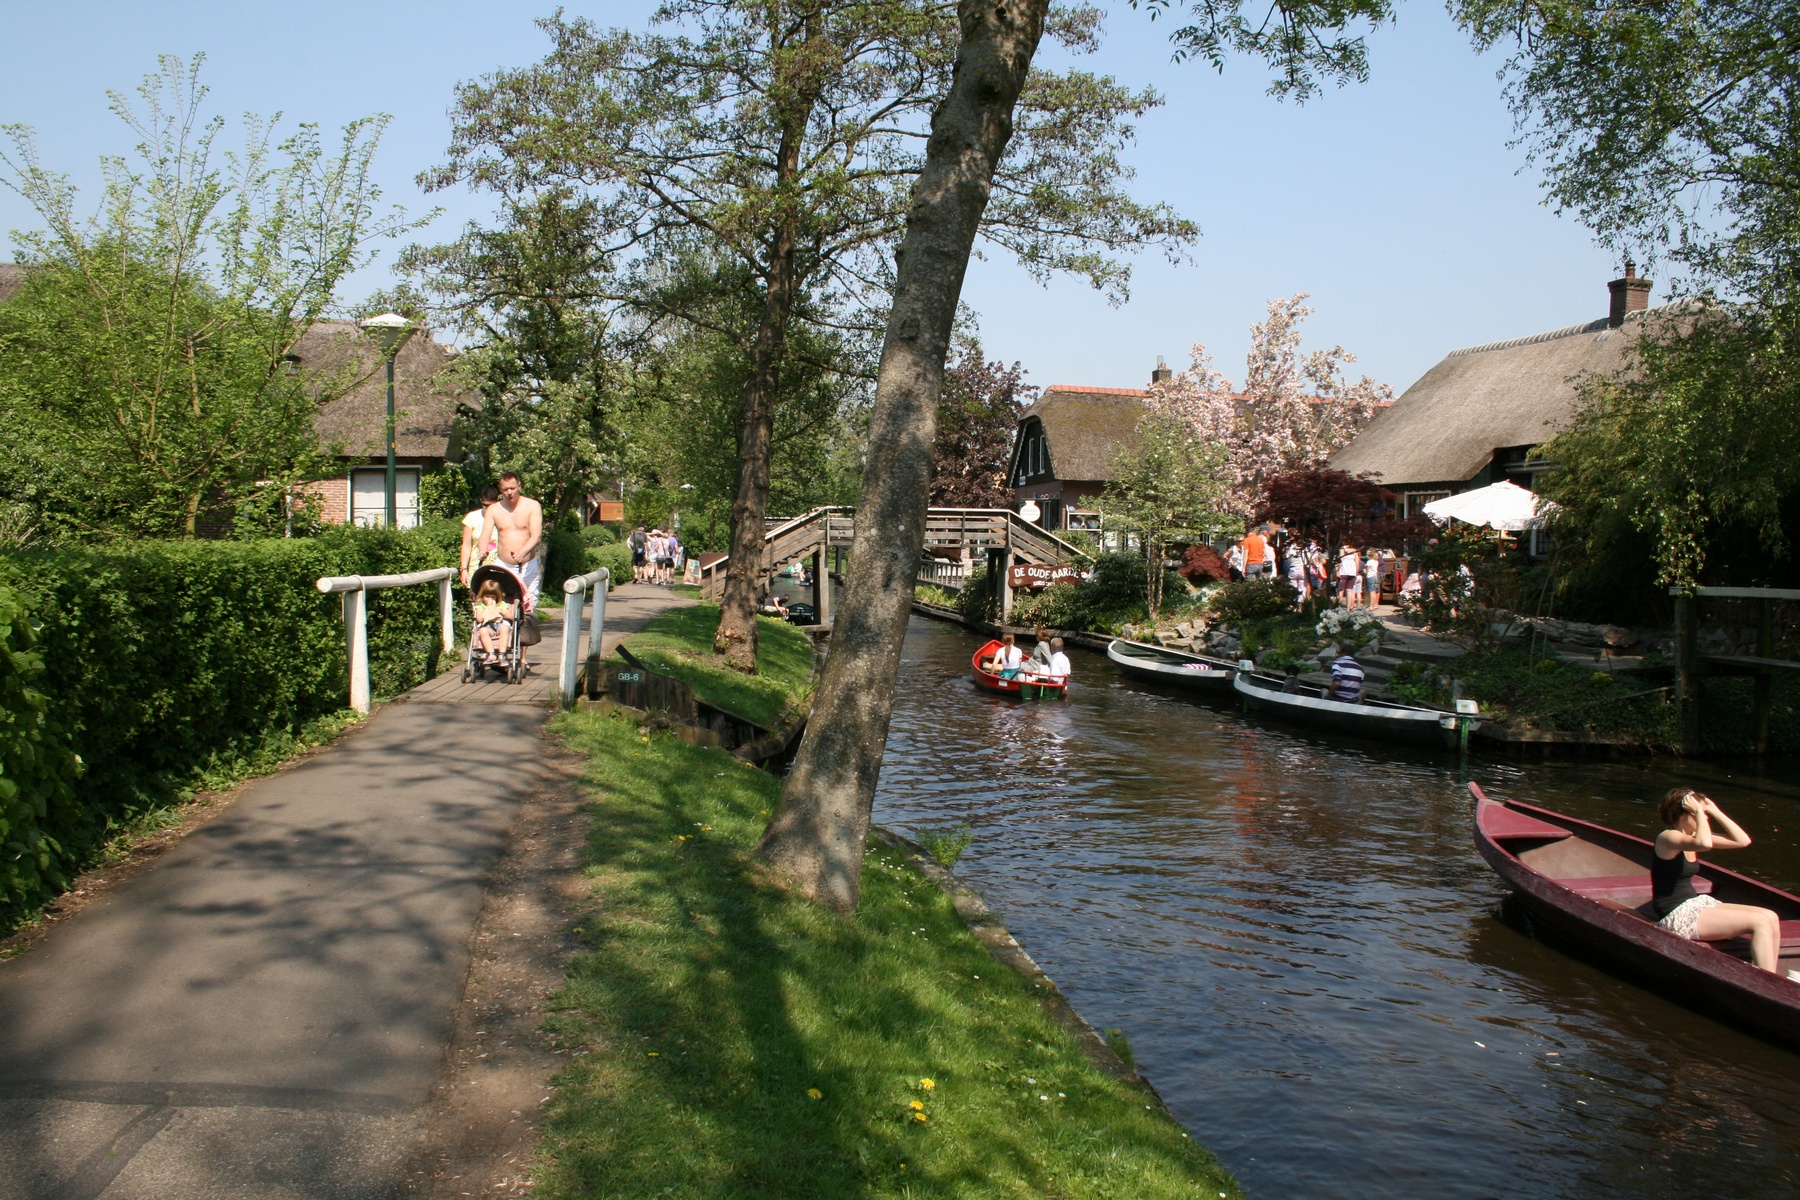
x=816 y=837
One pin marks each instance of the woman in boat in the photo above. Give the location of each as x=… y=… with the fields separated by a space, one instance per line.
x=1688 y=818
x=1007 y=660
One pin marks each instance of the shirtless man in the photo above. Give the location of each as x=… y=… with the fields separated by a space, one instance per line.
x=517 y=524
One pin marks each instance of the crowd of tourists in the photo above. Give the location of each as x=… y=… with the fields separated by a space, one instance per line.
x=1351 y=575
x=656 y=555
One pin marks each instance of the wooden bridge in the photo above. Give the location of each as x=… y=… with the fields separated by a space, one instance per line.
x=825 y=534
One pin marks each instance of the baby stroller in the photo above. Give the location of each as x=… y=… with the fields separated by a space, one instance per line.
x=511 y=666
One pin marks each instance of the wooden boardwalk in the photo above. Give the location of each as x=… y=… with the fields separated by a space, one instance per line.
x=628 y=610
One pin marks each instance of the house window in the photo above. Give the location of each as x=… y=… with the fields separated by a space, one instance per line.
x=1413 y=503
x=1089 y=521
x=368 y=497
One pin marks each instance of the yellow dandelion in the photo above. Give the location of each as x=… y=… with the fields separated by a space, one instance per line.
x=928 y=1085
x=918 y=1116
x=815 y=1093
x=653 y=1054
x=918 y=1106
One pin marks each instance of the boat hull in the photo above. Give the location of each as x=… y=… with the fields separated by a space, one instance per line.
x=1620 y=935
x=1189 y=672
x=1383 y=722
x=1019 y=689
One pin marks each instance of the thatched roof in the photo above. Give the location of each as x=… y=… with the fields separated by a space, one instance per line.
x=12 y=275
x=425 y=397
x=1085 y=427
x=1446 y=427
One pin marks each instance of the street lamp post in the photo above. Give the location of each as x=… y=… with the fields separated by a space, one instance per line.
x=390 y=331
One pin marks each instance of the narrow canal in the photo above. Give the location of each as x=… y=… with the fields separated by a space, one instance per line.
x=1301 y=944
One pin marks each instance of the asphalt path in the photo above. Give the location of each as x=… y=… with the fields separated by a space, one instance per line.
x=263 y=1011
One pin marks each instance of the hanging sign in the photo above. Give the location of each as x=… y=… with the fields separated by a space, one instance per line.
x=1031 y=577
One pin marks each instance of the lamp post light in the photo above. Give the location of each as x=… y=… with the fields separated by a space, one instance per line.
x=390 y=331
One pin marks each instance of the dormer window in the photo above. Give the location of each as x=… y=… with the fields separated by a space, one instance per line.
x=290 y=363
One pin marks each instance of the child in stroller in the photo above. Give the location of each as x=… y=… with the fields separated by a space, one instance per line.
x=499 y=597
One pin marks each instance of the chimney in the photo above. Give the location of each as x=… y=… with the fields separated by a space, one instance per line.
x=1629 y=295
x=1162 y=374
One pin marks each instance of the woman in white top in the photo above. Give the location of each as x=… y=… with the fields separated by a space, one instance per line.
x=1349 y=576
x=1372 y=577
x=1008 y=660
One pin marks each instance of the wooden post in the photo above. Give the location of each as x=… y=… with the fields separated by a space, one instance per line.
x=356 y=633
x=1686 y=677
x=596 y=630
x=447 y=614
x=1765 y=648
x=821 y=585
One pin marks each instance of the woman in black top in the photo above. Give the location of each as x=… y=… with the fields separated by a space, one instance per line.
x=1688 y=819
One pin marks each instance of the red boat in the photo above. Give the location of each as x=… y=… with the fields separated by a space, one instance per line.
x=1025 y=687
x=1590 y=886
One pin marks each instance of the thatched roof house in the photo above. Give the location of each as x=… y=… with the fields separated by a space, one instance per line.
x=1475 y=418
x=1065 y=446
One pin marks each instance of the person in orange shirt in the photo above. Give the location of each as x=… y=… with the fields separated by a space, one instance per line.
x=1256 y=554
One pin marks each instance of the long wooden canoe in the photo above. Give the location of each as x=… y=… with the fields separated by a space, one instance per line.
x=1589 y=886
x=1194 y=672
x=1383 y=719
x=1024 y=687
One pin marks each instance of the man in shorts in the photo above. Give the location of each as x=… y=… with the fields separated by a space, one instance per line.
x=516 y=523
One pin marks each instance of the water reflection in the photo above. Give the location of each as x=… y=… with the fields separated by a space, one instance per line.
x=1302 y=945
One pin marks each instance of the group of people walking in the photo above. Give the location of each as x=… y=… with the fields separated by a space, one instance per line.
x=502 y=565
x=655 y=555
x=1351 y=575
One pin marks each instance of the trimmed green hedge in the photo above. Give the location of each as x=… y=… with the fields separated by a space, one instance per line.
x=164 y=661
x=37 y=770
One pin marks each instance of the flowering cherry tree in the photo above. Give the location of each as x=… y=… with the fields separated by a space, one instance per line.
x=1294 y=410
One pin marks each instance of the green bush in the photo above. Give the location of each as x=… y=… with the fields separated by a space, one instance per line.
x=1057 y=607
x=1234 y=604
x=37 y=769
x=615 y=557
x=975 y=602
x=565 y=554
x=600 y=535
x=166 y=660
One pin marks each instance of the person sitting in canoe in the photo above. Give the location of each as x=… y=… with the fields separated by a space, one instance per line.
x=1040 y=653
x=1688 y=817
x=1056 y=670
x=1008 y=660
x=1346 y=681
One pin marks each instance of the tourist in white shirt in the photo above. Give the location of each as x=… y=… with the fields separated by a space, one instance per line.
x=1059 y=662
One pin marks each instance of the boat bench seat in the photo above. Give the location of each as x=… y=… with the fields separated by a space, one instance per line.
x=1504 y=824
x=1622 y=891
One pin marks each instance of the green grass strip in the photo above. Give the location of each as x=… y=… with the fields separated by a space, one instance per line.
x=679 y=643
x=732 y=1041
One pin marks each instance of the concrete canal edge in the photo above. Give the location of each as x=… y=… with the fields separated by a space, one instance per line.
x=1005 y=950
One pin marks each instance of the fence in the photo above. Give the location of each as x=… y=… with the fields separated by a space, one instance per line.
x=355 y=590
x=575 y=591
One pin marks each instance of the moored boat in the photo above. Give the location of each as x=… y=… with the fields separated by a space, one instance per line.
x=1590 y=886
x=1193 y=672
x=1024 y=687
x=1386 y=720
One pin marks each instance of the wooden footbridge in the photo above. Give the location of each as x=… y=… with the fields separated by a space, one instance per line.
x=824 y=535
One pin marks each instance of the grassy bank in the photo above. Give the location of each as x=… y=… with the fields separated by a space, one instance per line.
x=679 y=643
x=734 y=1042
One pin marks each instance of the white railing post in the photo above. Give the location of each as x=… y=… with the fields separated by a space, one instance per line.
x=356 y=589
x=356 y=633
x=447 y=614
x=574 y=590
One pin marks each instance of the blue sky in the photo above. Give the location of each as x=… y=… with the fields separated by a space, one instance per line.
x=1397 y=204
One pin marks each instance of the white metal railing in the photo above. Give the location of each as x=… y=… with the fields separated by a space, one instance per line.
x=575 y=590
x=356 y=589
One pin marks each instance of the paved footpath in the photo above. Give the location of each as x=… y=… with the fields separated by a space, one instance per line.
x=263 y=1011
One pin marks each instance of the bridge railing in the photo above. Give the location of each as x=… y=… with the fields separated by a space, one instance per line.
x=575 y=593
x=355 y=590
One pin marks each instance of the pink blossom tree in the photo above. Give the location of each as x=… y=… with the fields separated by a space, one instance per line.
x=1294 y=410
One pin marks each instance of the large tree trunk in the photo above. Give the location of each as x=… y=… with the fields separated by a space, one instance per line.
x=816 y=836
x=736 y=636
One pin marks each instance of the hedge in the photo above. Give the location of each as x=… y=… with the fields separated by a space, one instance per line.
x=37 y=769
x=161 y=661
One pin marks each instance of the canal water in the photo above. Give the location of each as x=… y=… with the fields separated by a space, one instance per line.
x=1302 y=947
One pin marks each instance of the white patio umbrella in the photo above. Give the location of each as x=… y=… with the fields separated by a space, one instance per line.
x=1503 y=505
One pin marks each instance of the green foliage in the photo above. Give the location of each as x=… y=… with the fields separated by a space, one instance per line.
x=164 y=661
x=1474 y=588
x=1167 y=486
x=946 y=845
x=445 y=494
x=601 y=535
x=1056 y=607
x=679 y=643
x=1111 y=595
x=37 y=770
x=565 y=556
x=978 y=602
x=1250 y=600
x=142 y=380
x=930 y=593
x=1538 y=691
x=735 y=1040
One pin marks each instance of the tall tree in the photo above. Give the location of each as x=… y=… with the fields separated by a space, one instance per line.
x=976 y=418
x=816 y=836
x=144 y=378
x=1166 y=488
x=786 y=135
x=1293 y=411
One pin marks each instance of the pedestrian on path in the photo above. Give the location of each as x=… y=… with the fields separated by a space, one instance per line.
x=516 y=524
x=639 y=542
x=474 y=550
